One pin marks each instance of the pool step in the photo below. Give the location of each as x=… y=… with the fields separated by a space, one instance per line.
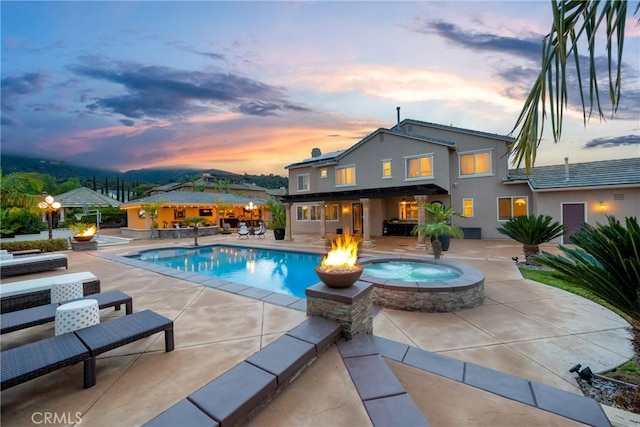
x=237 y=395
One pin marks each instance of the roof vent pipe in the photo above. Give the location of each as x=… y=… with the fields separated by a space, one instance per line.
x=398 y=122
x=566 y=169
x=315 y=152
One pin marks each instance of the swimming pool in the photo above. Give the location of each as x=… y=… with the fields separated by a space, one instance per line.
x=275 y=270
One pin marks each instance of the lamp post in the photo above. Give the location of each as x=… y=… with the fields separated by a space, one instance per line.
x=49 y=206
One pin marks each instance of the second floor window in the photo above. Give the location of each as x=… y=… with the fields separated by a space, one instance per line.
x=386 y=168
x=510 y=207
x=323 y=173
x=303 y=182
x=346 y=175
x=476 y=163
x=419 y=167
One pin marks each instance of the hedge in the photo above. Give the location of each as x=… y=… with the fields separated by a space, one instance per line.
x=52 y=245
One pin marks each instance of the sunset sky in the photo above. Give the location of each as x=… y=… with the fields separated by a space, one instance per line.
x=250 y=87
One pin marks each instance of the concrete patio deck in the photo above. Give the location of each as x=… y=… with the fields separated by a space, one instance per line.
x=523 y=328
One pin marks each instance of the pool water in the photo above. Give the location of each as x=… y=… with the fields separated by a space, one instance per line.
x=408 y=271
x=275 y=270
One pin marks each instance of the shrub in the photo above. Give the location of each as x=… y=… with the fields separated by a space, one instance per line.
x=606 y=262
x=531 y=231
x=52 y=245
x=26 y=221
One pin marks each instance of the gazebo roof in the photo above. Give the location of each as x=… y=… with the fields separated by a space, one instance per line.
x=84 y=196
x=190 y=198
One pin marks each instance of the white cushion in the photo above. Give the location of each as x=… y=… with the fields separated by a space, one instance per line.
x=34 y=285
x=31 y=259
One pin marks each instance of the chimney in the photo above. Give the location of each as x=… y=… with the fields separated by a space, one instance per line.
x=315 y=152
x=398 y=121
x=566 y=169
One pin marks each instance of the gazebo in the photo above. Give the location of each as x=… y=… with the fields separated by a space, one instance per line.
x=83 y=198
x=174 y=206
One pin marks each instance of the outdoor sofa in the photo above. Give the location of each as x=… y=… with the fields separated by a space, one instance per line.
x=21 y=319
x=34 y=292
x=33 y=360
x=31 y=264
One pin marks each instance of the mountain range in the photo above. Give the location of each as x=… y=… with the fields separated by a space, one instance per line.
x=62 y=171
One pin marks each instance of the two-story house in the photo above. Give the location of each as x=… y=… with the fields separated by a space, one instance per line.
x=377 y=186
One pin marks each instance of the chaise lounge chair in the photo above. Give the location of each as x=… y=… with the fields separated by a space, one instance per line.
x=32 y=293
x=243 y=231
x=34 y=316
x=33 y=360
x=31 y=264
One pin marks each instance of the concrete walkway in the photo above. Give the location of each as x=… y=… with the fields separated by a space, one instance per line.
x=523 y=328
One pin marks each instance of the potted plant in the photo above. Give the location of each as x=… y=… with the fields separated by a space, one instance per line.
x=439 y=227
x=278 y=220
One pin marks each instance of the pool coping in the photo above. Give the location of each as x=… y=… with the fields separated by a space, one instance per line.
x=277 y=298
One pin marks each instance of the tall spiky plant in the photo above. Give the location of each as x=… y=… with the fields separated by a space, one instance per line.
x=531 y=231
x=606 y=262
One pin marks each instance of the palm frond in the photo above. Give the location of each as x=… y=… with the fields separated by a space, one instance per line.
x=573 y=20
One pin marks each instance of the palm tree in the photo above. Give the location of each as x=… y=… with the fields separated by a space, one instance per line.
x=152 y=210
x=195 y=220
x=438 y=226
x=20 y=189
x=606 y=262
x=531 y=231
x=574 y=23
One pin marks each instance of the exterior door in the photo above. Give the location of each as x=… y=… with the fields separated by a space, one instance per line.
x=573 y=216
x=356 y=218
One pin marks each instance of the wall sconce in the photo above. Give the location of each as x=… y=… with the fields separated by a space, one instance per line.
x=603 y=206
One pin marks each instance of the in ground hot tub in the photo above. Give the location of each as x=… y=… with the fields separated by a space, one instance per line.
x=417 y=284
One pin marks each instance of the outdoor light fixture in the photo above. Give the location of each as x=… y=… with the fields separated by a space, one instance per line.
x=603 y=205
x=584 y=374
x=49 y=205
x=249 y=208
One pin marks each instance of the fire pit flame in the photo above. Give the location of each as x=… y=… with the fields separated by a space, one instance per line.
x=339 y=268
x=86 y=235
x=343 y=254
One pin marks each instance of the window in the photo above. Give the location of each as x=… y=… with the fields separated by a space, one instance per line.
x=467 y=207
x=509 y=207
x=408 y=210
x=303 y=182
x=476 y=163
x=323 y=173
x=386 y=168
x=313 y=212
x=331 y=212
x=302 y=213
x=419 y=167
x=346 y=176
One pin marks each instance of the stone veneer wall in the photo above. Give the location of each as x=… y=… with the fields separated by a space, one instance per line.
x=429 y=301
x=354 y=312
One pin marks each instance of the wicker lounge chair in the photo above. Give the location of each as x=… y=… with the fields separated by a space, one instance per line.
x=34 y=316
x=33 y=360
x=31 y=264
x=32 y=293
